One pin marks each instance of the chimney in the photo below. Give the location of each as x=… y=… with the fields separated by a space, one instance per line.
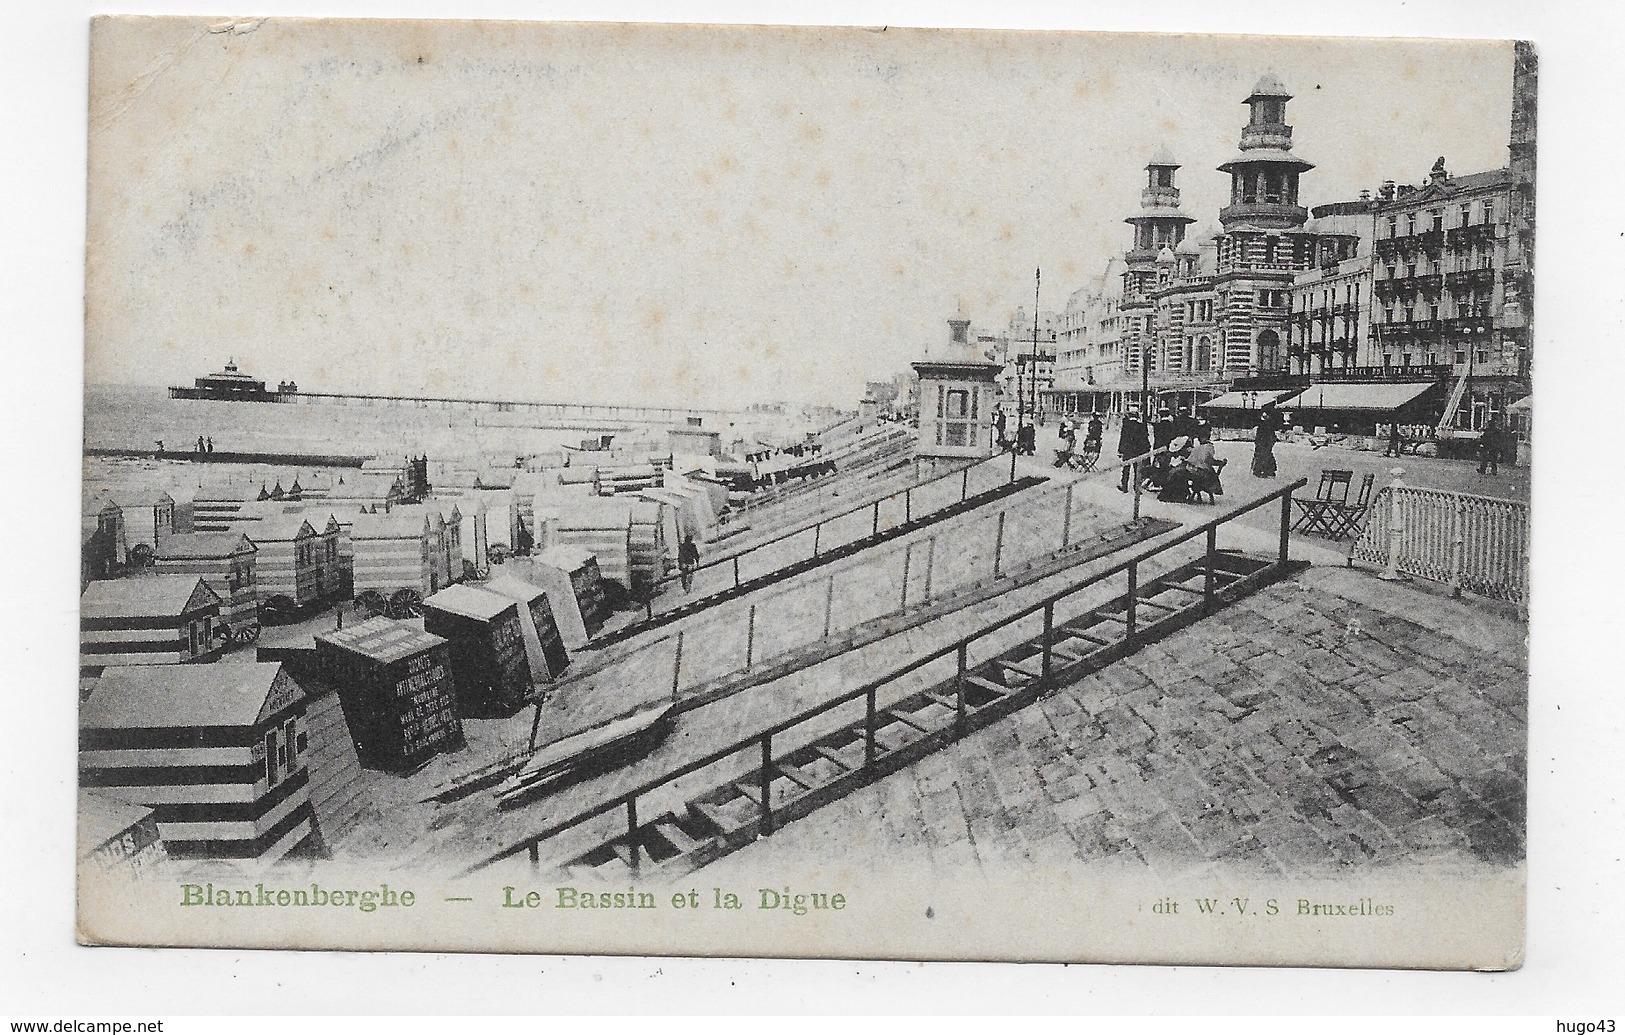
x=959 y=332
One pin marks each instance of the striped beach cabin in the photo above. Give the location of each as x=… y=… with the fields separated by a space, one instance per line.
x=227 y=563
x=395 y=551
x=290 y=558
x=217 y=753
x=149 y=620
x=215 y=505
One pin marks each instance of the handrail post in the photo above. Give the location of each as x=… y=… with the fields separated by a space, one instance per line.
x=736 y=571
x=875 y=530
x=1066 y=520
x=767 y=783
x=750 y=638
x=908 y=554
x=1207 y=575
x=818 y=533
x=908 y=505
x=1049 y=631
x=998 y=547
x=964 y=484
x=869 y=732
x=535 y=852
x=930 y=563
x=676 y=663
x=1133 y=589
x=829 y=602
x=1396 y=526
x=632 y=831
x=959 y=688
x=1286 y=527
x=1458 y=545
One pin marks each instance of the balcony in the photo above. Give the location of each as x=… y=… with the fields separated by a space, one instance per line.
x=1479 y=276
x=1387 y=248
x=1264 y=213
x=1427 y=283
x=1431 y=240
x=1468 y=326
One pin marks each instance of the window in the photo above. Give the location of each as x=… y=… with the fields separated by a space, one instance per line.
x=1387 y=359
x=1393 y=227
x=1405 y=360
x=1461 y=355
x=1466 y=214
x=1438 y=218
x=1488 y=210
x=271 y=773
x=1481 y=356
x=1433 y=311
x=1410 y=223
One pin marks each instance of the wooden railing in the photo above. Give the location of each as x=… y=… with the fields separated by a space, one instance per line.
x=1475 y=543
x=959 y=649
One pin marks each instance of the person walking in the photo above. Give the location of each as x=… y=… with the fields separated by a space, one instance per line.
x=1092 y=435
x=208 y=444
x=688 y=559
x=1490 y=446
x=1269 y=423
x=1132 y=441
x=200 y=443
x=1395 y=443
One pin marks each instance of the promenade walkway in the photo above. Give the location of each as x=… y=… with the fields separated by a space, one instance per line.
x=1328 y=722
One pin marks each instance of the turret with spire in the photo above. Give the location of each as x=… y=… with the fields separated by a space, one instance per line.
x=1264 y=174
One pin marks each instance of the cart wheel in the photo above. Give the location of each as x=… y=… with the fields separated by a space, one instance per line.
x=406 y=603
x=371 y=603
x=225 y=633
x=141 y=556
x=278 y=609
x=481 y=574
x=249 y=633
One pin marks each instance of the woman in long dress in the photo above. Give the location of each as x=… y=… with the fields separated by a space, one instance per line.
x=1269 y=422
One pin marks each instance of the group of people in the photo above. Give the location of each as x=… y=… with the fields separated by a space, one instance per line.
x=1093 y=432
x=1026 y=441
x=1184 y=462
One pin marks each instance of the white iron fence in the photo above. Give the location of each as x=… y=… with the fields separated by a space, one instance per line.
x=1474 y=543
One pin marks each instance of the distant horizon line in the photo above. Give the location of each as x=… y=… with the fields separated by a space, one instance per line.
x=742 y=408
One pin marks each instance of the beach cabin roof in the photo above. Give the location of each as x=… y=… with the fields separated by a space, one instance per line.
x=150 y=596
x=394 y=525
x=277 y=527
x=102 y=817
x=567 y=558
x=513 y=588
x=203 y=546
x=191 y=696
x=469 y=602
x=382 y=639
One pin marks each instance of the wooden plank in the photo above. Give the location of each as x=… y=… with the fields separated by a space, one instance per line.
x=988 y=684
x=795 y=775
x=676 y=837
x=713 y=815
x=834 y=756
x=1022 y=668
x=909 y=720
x=1078 y=633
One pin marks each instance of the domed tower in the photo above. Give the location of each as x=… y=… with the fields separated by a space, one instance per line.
x=1264 y=175
x=1159 y=223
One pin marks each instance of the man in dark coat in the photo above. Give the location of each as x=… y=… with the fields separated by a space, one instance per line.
x=1133 y=440
x=1163 y=432
x=1490 y=447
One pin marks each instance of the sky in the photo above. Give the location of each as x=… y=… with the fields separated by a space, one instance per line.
x=667 y=214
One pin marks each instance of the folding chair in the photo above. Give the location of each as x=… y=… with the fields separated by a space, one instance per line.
x=1086 y=460
x=1342 y=519
x=1333 y=491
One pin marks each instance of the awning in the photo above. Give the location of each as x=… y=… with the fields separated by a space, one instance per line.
x=1249 y=400
x=1522 y=405
x=1350 y=396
